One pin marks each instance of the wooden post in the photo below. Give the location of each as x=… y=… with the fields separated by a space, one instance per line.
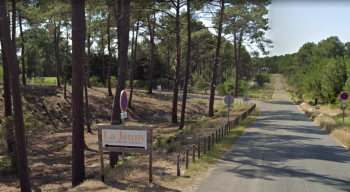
x=209 y=143
x=123 y=165
x=187 y=158
x=216 y=136
x=212 y=139
x=204 y=146
x=219 y=134
x=194 y=153
x=102 y=167
x=178 y=164
x=222 y=132
x=150 y=177
x=199 y=149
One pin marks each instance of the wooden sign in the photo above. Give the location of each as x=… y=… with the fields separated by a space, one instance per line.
x=119 y=138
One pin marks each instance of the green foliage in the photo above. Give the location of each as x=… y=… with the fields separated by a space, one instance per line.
x=58 y=103
x=262 y=78
x=65 y=117
x=94 y=81
x=69 y=106
x=50 y=146
x=221 y=89
x=6 y=165
x=52 y=132
x=114 y=81
x=229 y=87
x=243 y=86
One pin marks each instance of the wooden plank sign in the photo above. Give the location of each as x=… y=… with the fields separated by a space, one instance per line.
x=132 y=139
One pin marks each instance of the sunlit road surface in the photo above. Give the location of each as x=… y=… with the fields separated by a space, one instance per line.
x=282 y=151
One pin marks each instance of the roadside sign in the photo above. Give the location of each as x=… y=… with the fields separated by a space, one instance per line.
x=130 y=139
x=123 y=101
x=246 y=97
x=124 y=115
x=159 y=88
x=124 y=138
x=229 y=99
x=344 y=96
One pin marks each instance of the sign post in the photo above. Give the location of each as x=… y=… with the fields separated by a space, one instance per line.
x=344 y=96
x=229 y=101
x=246 y=98
x=119 y=138
x=123 y=105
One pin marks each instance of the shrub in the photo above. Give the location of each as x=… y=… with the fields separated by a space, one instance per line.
x=6 y=165
x=230 y=87
x=58 y=103
x=94 y=80
x=221 y=89
x=114 y=81
x=262 y=78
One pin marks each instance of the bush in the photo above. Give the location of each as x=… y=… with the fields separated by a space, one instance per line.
x=261 y=79
x=230 y=87
x=221 y=89
x=94 y=81
x=114 y=81
x=6 y=165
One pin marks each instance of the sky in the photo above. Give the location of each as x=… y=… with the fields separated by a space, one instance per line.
x=296 y=22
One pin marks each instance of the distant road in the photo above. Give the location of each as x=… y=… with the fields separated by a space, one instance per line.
x=282 y=151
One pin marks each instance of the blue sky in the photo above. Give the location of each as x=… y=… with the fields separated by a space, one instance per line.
x=295 y=22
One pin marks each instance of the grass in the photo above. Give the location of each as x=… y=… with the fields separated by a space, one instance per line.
x=224 y=145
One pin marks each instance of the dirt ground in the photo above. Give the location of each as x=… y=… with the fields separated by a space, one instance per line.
x=49 y=148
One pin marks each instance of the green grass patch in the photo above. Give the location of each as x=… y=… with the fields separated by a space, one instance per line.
x=224 y=145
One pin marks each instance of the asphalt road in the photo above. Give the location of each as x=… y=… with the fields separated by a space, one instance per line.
x=282 y=151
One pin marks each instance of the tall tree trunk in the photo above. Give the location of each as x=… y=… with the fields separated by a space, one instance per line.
x=14 y=25
x=110 y=57
x=123 y=20
x=65 y=86
x=151 y=35
x=187 y=72
x=10 y=139
x=217 y=57
x=66 y=71
x=87 y=119
x=78 y=60
x=57 y=52
x=177 y=69
x=88 y=61
x=88 y=56
x=237 y=59
x=17 y=99
x=22 y=52
x=133 y=65
x=168 y=68
x=103 y=63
